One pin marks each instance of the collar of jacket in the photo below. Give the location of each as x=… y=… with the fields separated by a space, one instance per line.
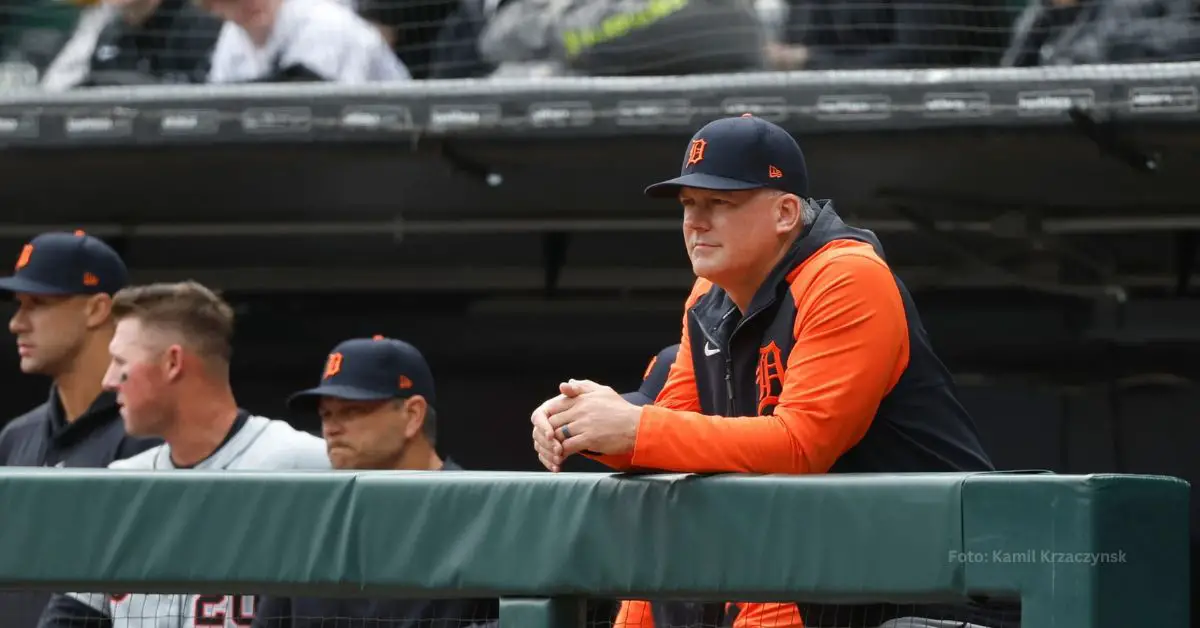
x=826 y=227
x=102 y=411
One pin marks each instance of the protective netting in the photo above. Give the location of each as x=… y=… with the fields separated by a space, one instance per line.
x=60 y=44
x=127 y=610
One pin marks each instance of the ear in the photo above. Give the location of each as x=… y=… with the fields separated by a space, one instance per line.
x=173 y=362
x=789 y=214
x=414 y=411
x=98 y=310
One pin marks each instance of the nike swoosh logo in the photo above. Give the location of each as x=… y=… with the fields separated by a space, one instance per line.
x=710 y=351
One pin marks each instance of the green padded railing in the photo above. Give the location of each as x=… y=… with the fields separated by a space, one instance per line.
x=1080 y=551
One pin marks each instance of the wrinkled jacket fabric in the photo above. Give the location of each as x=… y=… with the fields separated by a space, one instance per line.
x=1103 y=31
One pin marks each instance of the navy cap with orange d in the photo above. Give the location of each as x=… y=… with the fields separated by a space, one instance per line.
x=655 y=377
x=62 y=263
x=742 y=153
x=370 y=369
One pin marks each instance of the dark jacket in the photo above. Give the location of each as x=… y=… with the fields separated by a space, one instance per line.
x=866 y=34
x=173 y=45
x=304 y=612
x=919 y=426
x=1103 y=31
x=42 y=437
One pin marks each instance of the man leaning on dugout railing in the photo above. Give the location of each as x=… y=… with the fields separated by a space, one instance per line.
x=801 y=352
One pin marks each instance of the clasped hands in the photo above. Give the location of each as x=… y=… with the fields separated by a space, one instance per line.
x=584 y=417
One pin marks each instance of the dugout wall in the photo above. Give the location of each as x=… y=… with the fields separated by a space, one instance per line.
x=1078 y=551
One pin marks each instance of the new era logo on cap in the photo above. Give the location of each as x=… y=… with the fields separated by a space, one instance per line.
x=742 y=153
x=23 y=258
x=61 y=263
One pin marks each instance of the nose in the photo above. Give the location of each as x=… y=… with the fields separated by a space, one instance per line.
x=330 y=428
x=111 y=379
x=18 y=323
x=695 y=219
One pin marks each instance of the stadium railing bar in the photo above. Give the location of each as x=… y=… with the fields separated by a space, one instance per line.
x=1076 y=551
x=807 y=103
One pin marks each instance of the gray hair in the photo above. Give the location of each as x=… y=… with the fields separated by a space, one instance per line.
x=429 y=425
x=808 y=212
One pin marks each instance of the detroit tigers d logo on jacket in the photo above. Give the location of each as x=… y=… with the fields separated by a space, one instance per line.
x=769 y=375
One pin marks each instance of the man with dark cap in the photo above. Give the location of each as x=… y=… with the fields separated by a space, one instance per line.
x=63 y=284
x=801 y=353
x=654 y=378
x=376 y=403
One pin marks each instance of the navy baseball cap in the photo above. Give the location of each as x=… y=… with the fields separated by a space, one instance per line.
x=61 y=263
x=743 y=153
x=370 y=369
x=654 y=379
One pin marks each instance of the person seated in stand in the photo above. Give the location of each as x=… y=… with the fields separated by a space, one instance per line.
x=136 y=42
x=299 y=40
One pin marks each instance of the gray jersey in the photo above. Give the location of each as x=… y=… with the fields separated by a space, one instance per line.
x=260 y=445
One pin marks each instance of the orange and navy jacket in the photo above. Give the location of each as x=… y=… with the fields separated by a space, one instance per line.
x=828 y=371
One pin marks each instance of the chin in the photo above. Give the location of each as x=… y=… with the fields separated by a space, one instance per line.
x=705 y=269
x=33 y=366
x=134 y=429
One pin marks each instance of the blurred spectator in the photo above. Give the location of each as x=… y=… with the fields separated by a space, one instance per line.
x=455 y=51
x=1070 y=32
x=123 y=42
x=410 y=27
x=71 y=65
x=33 y=31
x=299 y=40
x=627 y=37
x=858 y=34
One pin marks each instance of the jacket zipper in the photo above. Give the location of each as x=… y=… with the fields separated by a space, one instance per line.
x=729 y=404
x=730 y=397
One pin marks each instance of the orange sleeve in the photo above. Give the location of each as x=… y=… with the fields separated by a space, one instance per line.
x=679 y=392
x=634 y=614
x=851 y=347
x=768 y=615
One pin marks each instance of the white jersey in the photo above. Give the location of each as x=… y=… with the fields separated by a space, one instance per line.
x=260 y=445
x=324 y=36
